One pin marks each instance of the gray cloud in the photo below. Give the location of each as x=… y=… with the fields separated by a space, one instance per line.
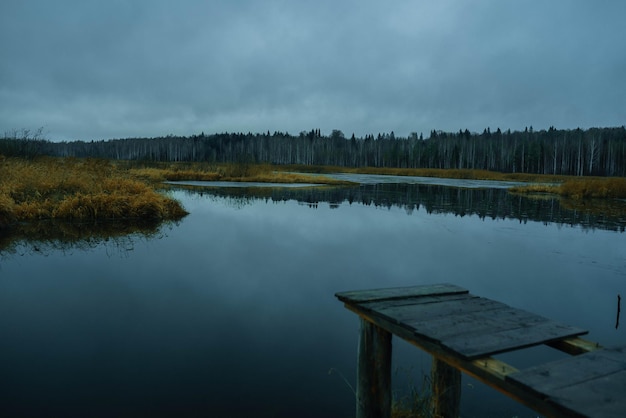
x=95 y=70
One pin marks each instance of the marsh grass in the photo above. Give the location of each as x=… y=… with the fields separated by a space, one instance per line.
x=416 y=402
x=462 y=174
x=605 y=188
x=93 y=189
x=77 y=189
x=539 y=184
x=581 y=188
x=536 y=189
x=236 y=172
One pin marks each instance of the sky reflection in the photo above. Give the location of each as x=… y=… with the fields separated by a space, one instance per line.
x=233 y=310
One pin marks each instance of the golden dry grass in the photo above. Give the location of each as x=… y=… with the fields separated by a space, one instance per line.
x=238 y=172
x=162 y=174
x=68 y=188
x=581 y=188
x=569 y=186
x=606 y=188
x=466 y=174
x=535 y=188
x=57 y=188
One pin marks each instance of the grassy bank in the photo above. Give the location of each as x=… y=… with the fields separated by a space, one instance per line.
x=239 y=172
x=569 y=186
x=89 y=189
x=580 y=188
x=72 y=189
x=566 y=186
x=465 y=174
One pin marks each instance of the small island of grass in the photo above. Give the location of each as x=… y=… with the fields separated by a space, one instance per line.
x=53 y=188
x=580 y=188
x=77 y=189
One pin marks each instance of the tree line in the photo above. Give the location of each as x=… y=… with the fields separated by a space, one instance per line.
x=594 y=151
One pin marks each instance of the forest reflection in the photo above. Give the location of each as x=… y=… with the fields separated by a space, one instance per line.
x=437 y=199
x=486 y=203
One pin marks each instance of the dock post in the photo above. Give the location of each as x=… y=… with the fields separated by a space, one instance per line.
x=446 y=390
x=373 y=391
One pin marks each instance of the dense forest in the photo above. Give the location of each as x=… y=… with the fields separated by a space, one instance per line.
x=595 y=151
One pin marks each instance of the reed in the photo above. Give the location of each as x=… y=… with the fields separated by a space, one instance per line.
x=569 y=186
x=580 y=188
x=535 y=188
x=466 y=174
x=163 y=174
x=261 y=173
x=606 y=188
x=417 y=403
x=74 y=189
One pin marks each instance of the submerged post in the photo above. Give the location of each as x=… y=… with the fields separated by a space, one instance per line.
x=373 y=391
x=446 y=390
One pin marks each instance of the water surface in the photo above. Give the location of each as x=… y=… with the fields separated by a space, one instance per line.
x=231 y=313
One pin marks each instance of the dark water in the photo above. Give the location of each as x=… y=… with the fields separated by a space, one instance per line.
x=231 y=312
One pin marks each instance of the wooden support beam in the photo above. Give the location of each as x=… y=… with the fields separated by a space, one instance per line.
x=373 y=392
x=446 y=390
x=575 y=346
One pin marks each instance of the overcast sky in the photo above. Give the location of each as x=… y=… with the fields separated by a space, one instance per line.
x=91 y=69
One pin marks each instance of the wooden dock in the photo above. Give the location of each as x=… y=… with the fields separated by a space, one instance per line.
x=462 y=332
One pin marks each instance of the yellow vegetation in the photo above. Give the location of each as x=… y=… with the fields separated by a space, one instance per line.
x=466 y=174
x=607 y=188
x=581 y=188
x=172 y=174
x=240 y=172
x=535 y=188
x=92 y=189
x=57 y=188
x=69 y=188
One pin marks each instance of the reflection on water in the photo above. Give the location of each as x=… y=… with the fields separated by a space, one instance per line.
x=232 y=313
x=49 y=235
x=494 y=203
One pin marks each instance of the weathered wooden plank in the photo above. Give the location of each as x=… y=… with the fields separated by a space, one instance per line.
x=591 y=384
x=415 y=300
x=475 y=323
x=401 y=313
x=481 y=345
x=398 y=292
x=602 y=397
x=373 y=392
x=571 y=371
x=472 y=326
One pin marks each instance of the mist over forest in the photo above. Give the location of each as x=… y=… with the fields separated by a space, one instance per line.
x=589 y=152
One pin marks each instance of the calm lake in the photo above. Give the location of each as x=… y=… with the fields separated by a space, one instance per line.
x=231 y=312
